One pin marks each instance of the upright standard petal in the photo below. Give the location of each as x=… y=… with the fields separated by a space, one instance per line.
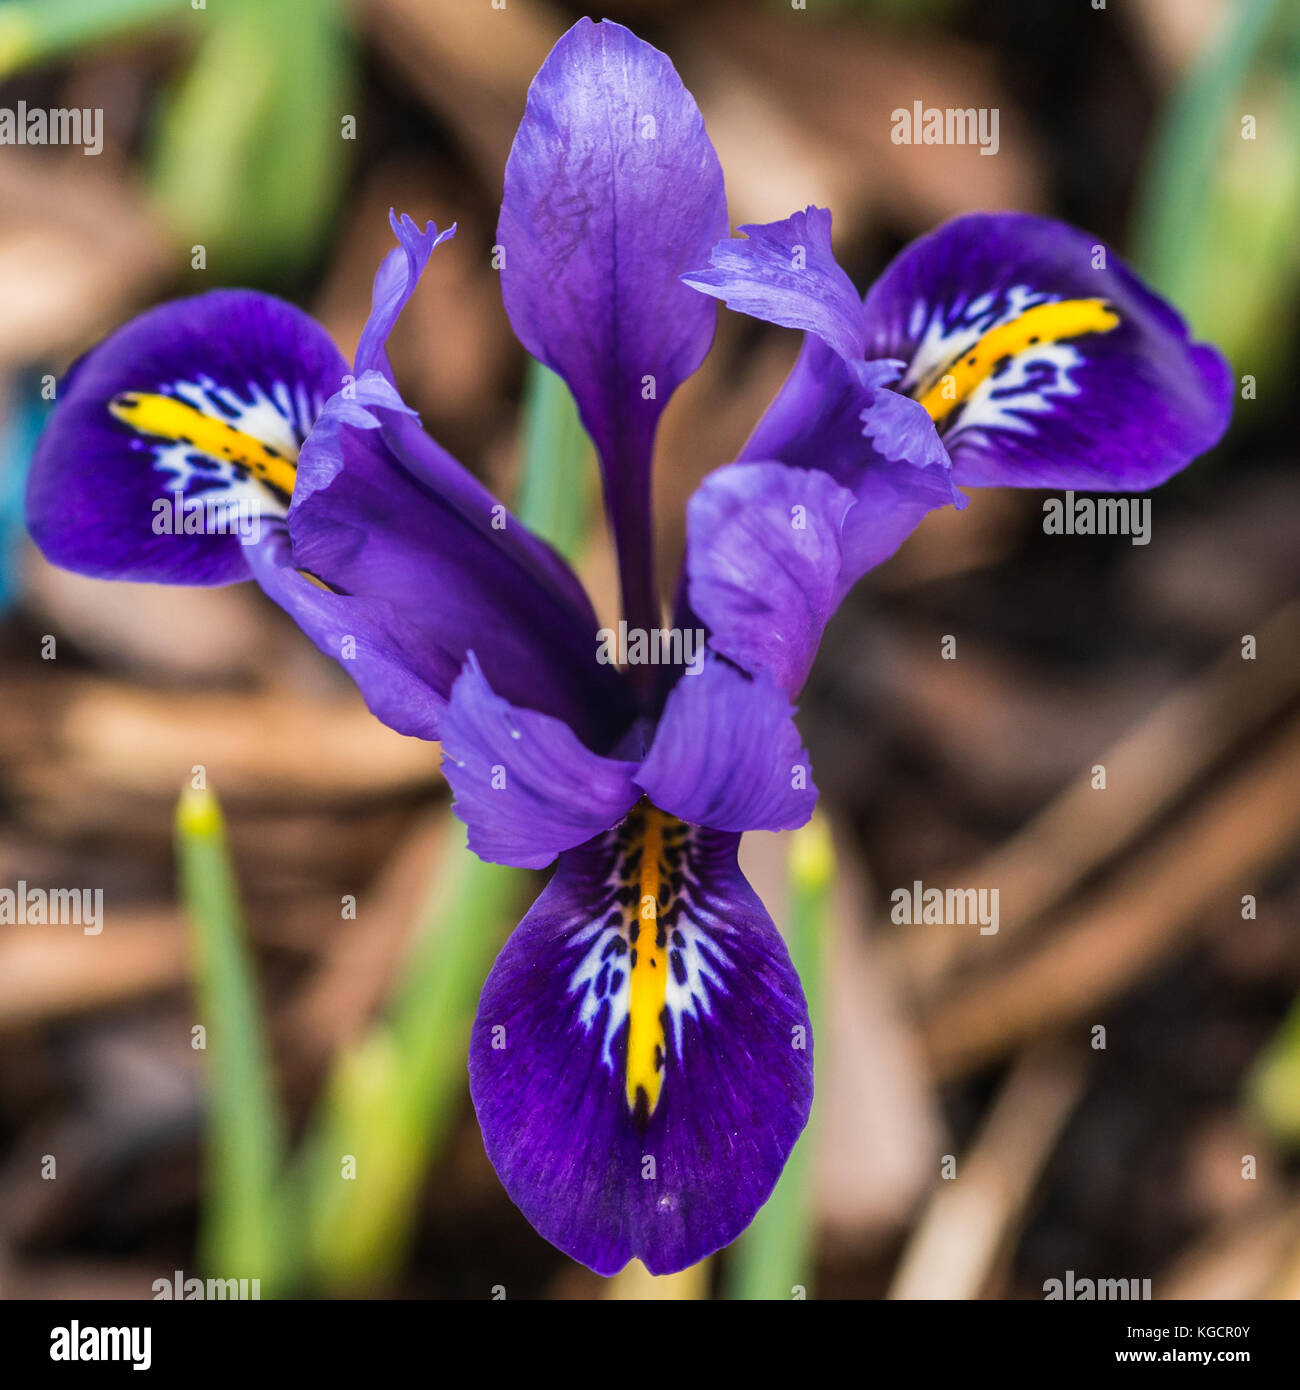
x=1043 y=360
x=525 y=785
x=177 y=437
x=641 y=1063
x=612 y=190
x=763 y=556
x=727 y=754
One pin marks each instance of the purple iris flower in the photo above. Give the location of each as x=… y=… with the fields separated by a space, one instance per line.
x=641 y=1063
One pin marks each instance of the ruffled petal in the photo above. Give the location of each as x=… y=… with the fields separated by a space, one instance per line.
x=837 y=411
x=785 y=272
x=763 y=557
x=611 y=191
x=431 y=464
x=524 y=784
x=1044 y=361
x=841 y=418
x=175 y=440
x=641 y=1063
x=899 y=428
x=395 y=283
x=727 y=754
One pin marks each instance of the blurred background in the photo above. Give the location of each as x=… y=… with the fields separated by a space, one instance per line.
x=1109 y=1085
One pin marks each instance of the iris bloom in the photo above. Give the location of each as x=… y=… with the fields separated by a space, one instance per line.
x=641 y=1062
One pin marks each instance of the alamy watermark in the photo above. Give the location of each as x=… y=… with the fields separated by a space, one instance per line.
x=1098 y=516
x=38 y=907
x=192 y=1289
x=1096 y=1290
x=958 y=907
x=177 y=515
x=61 y=125
x=947 y=125
x=73 y=1342
x=656 y=646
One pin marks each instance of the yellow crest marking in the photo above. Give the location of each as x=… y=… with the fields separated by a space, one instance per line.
x=1044 y=323
x=649 y=971
x=167 y=417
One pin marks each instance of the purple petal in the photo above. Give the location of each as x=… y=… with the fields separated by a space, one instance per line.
x=899 y=428
x=893 y=500
x=209 y=397
x=763 y=555
x=422 y=456
x=395 y=283
x=1044 y=360
x=564 y=1037
x=786 y=273
x=403 y=678
x=376 y=397
x=727 y=753
x=417 y=532
x=823 y=418
x=526 y=787
x=612 y=190
x=835 y=412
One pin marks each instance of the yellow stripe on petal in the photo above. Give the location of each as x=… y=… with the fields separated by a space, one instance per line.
x=1044 y=323
x=648 y=961
x=175 y=420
